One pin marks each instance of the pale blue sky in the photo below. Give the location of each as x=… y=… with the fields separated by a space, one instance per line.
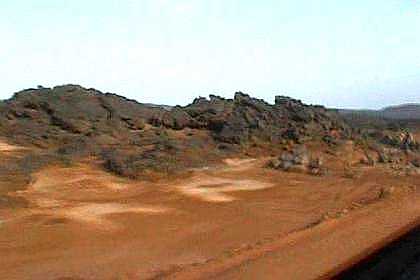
x=359 y=53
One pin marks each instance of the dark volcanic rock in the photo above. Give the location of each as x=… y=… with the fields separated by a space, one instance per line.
x=56 y=113
x=298 y=160
x=51 y=114
x=242 y=118
x=176 y=118
x=72 y=120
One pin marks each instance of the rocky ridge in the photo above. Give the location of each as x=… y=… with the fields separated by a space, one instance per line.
x=46 y=115
x=131 y=137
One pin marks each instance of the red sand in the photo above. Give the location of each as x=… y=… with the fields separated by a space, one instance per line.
x=83 y=223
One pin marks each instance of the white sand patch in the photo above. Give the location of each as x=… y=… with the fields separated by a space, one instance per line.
x=116 y=186
x=5 y=147
x=56 y=182
x=96 y=212
x=70 y=193
x=198 y=169
x=47 y=202
x=238 y=161
x=238 y=164
x=214 y=189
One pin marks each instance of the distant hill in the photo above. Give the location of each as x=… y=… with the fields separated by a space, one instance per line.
x=400 y=112
x=407 y=111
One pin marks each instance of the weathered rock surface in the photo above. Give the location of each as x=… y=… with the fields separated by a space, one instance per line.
x=242 y=118
x=47 y=115
x=70 y=119
x=298 y=160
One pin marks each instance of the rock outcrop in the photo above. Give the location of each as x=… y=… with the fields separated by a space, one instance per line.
x=298 y=160
x=47 y=115
x=44 y=115
x=242 y=118
x=403 y=140
x=135 y=137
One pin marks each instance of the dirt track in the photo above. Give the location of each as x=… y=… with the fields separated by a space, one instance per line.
x=237 y=221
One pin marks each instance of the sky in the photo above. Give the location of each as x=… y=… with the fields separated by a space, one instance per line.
x=354 y=54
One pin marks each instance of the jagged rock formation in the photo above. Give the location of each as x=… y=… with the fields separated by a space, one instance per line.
x=242 y=118
x=133 y=138
x=47 y=115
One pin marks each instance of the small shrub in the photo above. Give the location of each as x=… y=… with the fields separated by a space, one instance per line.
x=135 y=165
x=75 y=147
x=117 y=163
x=165 y=143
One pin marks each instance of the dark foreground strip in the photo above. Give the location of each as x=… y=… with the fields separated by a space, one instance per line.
x=398 y=261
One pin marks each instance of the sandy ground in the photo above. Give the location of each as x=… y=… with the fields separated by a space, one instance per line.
x=236 y=221
x=7 y=148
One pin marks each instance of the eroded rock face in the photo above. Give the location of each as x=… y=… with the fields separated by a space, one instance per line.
x=176 y=119
x=49 y=114
x=68 y=118
x=239 y=119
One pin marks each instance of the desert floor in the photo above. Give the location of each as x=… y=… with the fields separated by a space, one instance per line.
x=237 y=220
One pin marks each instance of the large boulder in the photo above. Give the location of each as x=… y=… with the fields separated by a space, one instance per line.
x=298 y=160
x=176 y=119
